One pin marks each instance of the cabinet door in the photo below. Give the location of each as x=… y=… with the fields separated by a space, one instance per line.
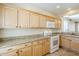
x=65 y=42
x=27 y=51
x=34 y=20
x=10 y=15
x=42 y=21
x=11 y=53
x=57 y=23
x=46 y=46
x=23 y=18
x=37 y=48
x=75 y=45
x=1 y=17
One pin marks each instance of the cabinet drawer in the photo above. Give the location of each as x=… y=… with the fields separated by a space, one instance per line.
x=46 y=40
x=25 y=45
x=9 y=49
x=11 y=53
x=37 y=42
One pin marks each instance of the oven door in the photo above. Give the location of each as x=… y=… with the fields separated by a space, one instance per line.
x=54 y=42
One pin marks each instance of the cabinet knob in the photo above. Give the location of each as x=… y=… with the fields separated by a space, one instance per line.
x=21 y=51
x=16 y=52
x=25 y=45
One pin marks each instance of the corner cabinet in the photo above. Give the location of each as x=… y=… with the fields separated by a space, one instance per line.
x=34 y=20
x=65 y=42
x=23 y=18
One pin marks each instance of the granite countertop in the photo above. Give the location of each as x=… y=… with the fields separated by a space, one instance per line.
x=12 y=41
x=71 y=37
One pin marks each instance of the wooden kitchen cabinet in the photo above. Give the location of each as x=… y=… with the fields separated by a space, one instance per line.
x=50 y=18
x=43 y=21
x=11 y=53
x=26 y=50
x=37 y=48
x=57 y=23
x=23 y=18
x=10 y=17
x=1 y=17
x=65 y=42
x=34 y=48
x=34 y=20
x=75 y=45
x=46 y=46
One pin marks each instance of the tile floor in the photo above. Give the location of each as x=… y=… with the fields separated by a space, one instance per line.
x=63 y=52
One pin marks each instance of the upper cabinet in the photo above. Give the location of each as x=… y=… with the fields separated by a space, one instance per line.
x=1 y=17
x=10 y=17
x=23 y=18
x=43 y=21
x=34 y=20
x=57 y=23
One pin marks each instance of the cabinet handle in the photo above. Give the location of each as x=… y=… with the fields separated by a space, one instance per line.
x=16 y=52
x=21 y=51
x=25 y=45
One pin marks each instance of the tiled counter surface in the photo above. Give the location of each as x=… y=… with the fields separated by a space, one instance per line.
x=12 y=41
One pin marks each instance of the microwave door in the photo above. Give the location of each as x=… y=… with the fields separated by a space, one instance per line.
x=50 y=24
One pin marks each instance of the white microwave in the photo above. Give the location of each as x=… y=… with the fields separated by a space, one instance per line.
x=50 y=24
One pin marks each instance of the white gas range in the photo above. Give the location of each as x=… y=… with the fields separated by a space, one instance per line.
x=54 y=41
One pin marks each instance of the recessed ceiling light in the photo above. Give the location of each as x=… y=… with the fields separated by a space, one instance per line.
x=57 y=6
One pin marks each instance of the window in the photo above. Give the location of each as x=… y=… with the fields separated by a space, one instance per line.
x=64 y=25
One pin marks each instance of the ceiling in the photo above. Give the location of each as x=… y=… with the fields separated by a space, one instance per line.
x=51 y=7
x=73 y=17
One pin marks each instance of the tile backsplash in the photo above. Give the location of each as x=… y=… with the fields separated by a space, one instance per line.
x=21 y=32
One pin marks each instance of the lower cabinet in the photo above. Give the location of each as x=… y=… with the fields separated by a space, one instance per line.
x=37 y=48
x=65 y=42
x=11 y=53
x=71 y=44
x=46 y=46
x=26 y=51
x=75 y=45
